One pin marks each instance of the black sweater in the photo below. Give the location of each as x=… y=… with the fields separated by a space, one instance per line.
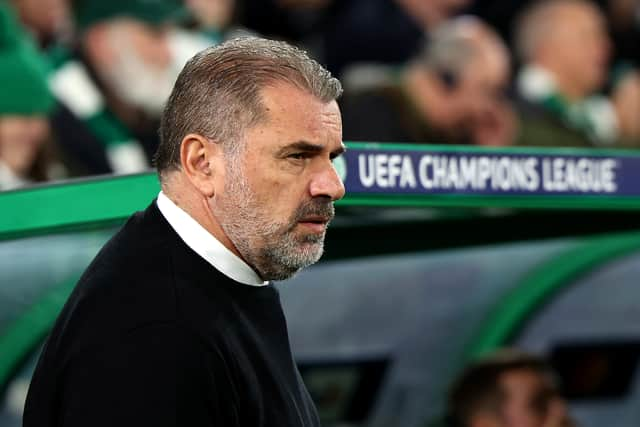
x=153 y=335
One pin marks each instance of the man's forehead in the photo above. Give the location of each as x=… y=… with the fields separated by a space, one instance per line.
x=276 y=92
x=331 y=115
x=294 y=118
x=287 y=105
x=524 y=379
x=582 y=13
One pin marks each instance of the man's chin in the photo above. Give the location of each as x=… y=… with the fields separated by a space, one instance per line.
x=313 y=254
x=282 y=267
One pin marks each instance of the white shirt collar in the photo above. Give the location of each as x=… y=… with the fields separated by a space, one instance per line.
x=206 y=245
x=535 y=83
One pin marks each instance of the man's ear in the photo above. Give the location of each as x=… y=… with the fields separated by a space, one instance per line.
x=200 y=159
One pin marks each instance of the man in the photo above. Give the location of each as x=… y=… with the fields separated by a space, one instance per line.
x=507 y=389
x=452 y=93
x=175 y=322
x=565 y=48
x=114 y=81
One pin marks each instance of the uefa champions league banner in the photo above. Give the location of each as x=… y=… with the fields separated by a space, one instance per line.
x=373 y=170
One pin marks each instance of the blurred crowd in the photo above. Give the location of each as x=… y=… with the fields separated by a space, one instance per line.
x=83 y=82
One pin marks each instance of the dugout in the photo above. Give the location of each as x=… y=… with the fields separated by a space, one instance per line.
x=437 y=255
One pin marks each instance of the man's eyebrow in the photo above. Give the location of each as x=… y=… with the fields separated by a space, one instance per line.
x=339 y=151
x=310 y=148
x=303 y=146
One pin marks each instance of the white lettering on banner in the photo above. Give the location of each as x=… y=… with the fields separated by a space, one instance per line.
x=581 y=175
x=497 y=173
x=394 y=168
x=365 y=169
x=425 y=181
x=453 y=177
x=484 y=172
x=408 y=177
x=386 y=171
x=468 y=171
x=381 y=170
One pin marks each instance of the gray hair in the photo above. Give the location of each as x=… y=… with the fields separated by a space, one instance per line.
x=218 y=93
x=450 y=47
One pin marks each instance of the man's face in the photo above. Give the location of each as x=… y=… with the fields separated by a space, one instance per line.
x=140 y=63
x=487 y=73
x=21 y=138
x=531 y=401
x=485 y=115
x=136 y=64
x=279 y=189
x=580 y=45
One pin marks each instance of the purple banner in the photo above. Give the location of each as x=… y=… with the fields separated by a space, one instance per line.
x=382 y=171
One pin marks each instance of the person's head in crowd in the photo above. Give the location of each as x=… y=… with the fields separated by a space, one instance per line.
x=507 y=389
x=46 y=19
x=247 y=142
x=212 y=16
x=134 y=48
x=459 y=81
x=569 y=40
x=24 y=128
x=470 y=56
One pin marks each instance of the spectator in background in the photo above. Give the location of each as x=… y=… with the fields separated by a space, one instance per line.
x=382 y=31
x=452 y=93
x=213 y=17
x=25 y=138
x=114 y=82
x=46 y=20
x=507 y=389
x=565 y=49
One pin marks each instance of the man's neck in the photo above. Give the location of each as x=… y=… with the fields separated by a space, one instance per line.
x=206 y=245
x=196 y=205
x=566 y=85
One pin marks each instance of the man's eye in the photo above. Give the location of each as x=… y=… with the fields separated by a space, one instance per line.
x=297 y=156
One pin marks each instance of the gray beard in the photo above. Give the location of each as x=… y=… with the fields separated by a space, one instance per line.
x=271 y=248
x=283 y=261
x=137 y=83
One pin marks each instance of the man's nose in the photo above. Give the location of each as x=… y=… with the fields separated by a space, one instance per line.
x=327 y=183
